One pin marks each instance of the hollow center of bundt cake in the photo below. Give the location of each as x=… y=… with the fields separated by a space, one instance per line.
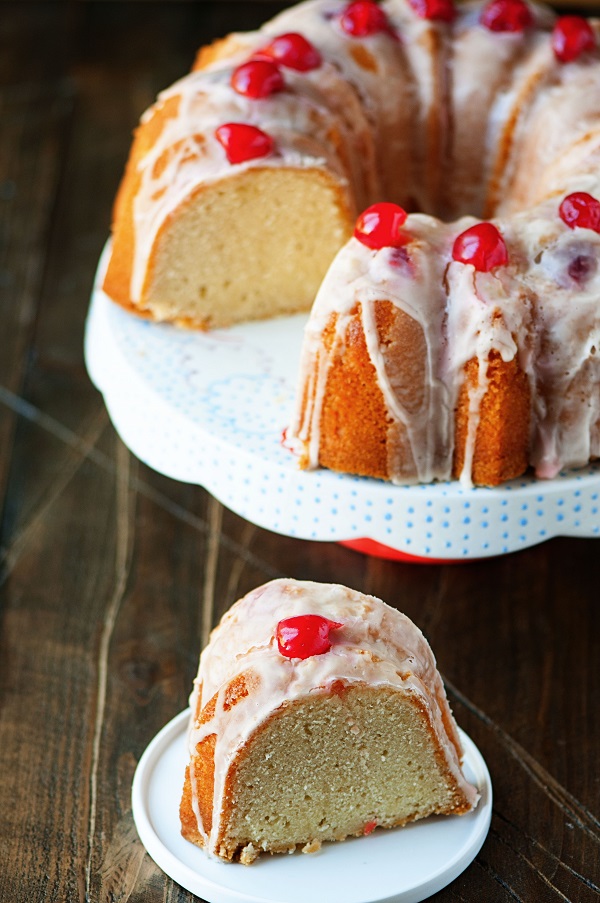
x=333 y=766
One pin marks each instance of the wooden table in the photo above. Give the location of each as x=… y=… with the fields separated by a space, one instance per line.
x=112 y=576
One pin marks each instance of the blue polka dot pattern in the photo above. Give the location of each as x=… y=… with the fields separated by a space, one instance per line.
x=211 y=409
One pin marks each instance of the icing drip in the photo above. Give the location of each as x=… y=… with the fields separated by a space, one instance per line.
x=485 y=313
x=566 y=377
x=343 y=116
x=411 y=279
x=376 y=647
x=541 y=309
x=392 y=115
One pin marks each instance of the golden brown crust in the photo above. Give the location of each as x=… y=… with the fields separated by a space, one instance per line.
x=354 y=428
x=502 y=438
x=458 y=803
x=207 y=712
x=189 y=824
x=117 y=280
x=355 y=432
x=363 y=58
x=238 y=688
x=203 y=764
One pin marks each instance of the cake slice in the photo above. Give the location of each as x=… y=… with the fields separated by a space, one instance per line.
x=318 y=713
x=273 y=232
x=412 y=366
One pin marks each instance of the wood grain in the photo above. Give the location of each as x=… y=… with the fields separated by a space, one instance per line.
x=111 y=576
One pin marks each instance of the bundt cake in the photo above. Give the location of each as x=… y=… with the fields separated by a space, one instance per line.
x=318 y=713
x=422 y=362
x=245 y=178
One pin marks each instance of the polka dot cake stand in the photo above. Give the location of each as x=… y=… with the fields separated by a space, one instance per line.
x=211 y=408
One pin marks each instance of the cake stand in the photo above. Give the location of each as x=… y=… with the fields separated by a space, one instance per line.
x=212 y=409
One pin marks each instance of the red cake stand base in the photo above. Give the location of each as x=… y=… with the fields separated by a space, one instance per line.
x=378 y=550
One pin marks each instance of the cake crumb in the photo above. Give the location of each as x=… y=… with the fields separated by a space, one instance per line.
x=313 y=846
x=249 y=854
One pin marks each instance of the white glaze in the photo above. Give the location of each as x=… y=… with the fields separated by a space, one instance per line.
x=376 y=647
x=488 y=71
x=532 y=310
x=564 y=365
x=362 y=276
x=303 y=121
x=391 y=130
x=373 y=105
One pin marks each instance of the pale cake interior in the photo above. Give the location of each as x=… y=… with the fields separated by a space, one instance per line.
x=263 y=262
x=333 y=765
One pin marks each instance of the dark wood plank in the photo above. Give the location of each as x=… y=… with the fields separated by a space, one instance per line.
x=80 y=844
x=34 y=119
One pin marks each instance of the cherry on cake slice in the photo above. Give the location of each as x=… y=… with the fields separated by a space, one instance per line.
x=318 y=713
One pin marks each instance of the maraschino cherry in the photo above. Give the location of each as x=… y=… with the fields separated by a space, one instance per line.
x=572 y=36
x=257 y=79
x=436 y=10
x=380 y=226
x=507 y=15
x=362 y=18
x=582 y=268
x=482 y=246
x=243 y=142
x=580 y=210
x=305 y=635
x=293 y=51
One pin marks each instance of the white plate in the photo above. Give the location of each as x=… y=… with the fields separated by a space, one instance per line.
x=401 y=865
x=210 y=408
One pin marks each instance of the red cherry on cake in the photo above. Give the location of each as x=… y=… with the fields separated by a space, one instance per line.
x=582 y=268
x=257 y=79
x=580 y=210
x=293 y=51
x=572 y=36
x=380 y=226
x=436 y=10
x=243 y=142
x=482 y=246
x=362 y=18
x=305 y=635
x=507 y=15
